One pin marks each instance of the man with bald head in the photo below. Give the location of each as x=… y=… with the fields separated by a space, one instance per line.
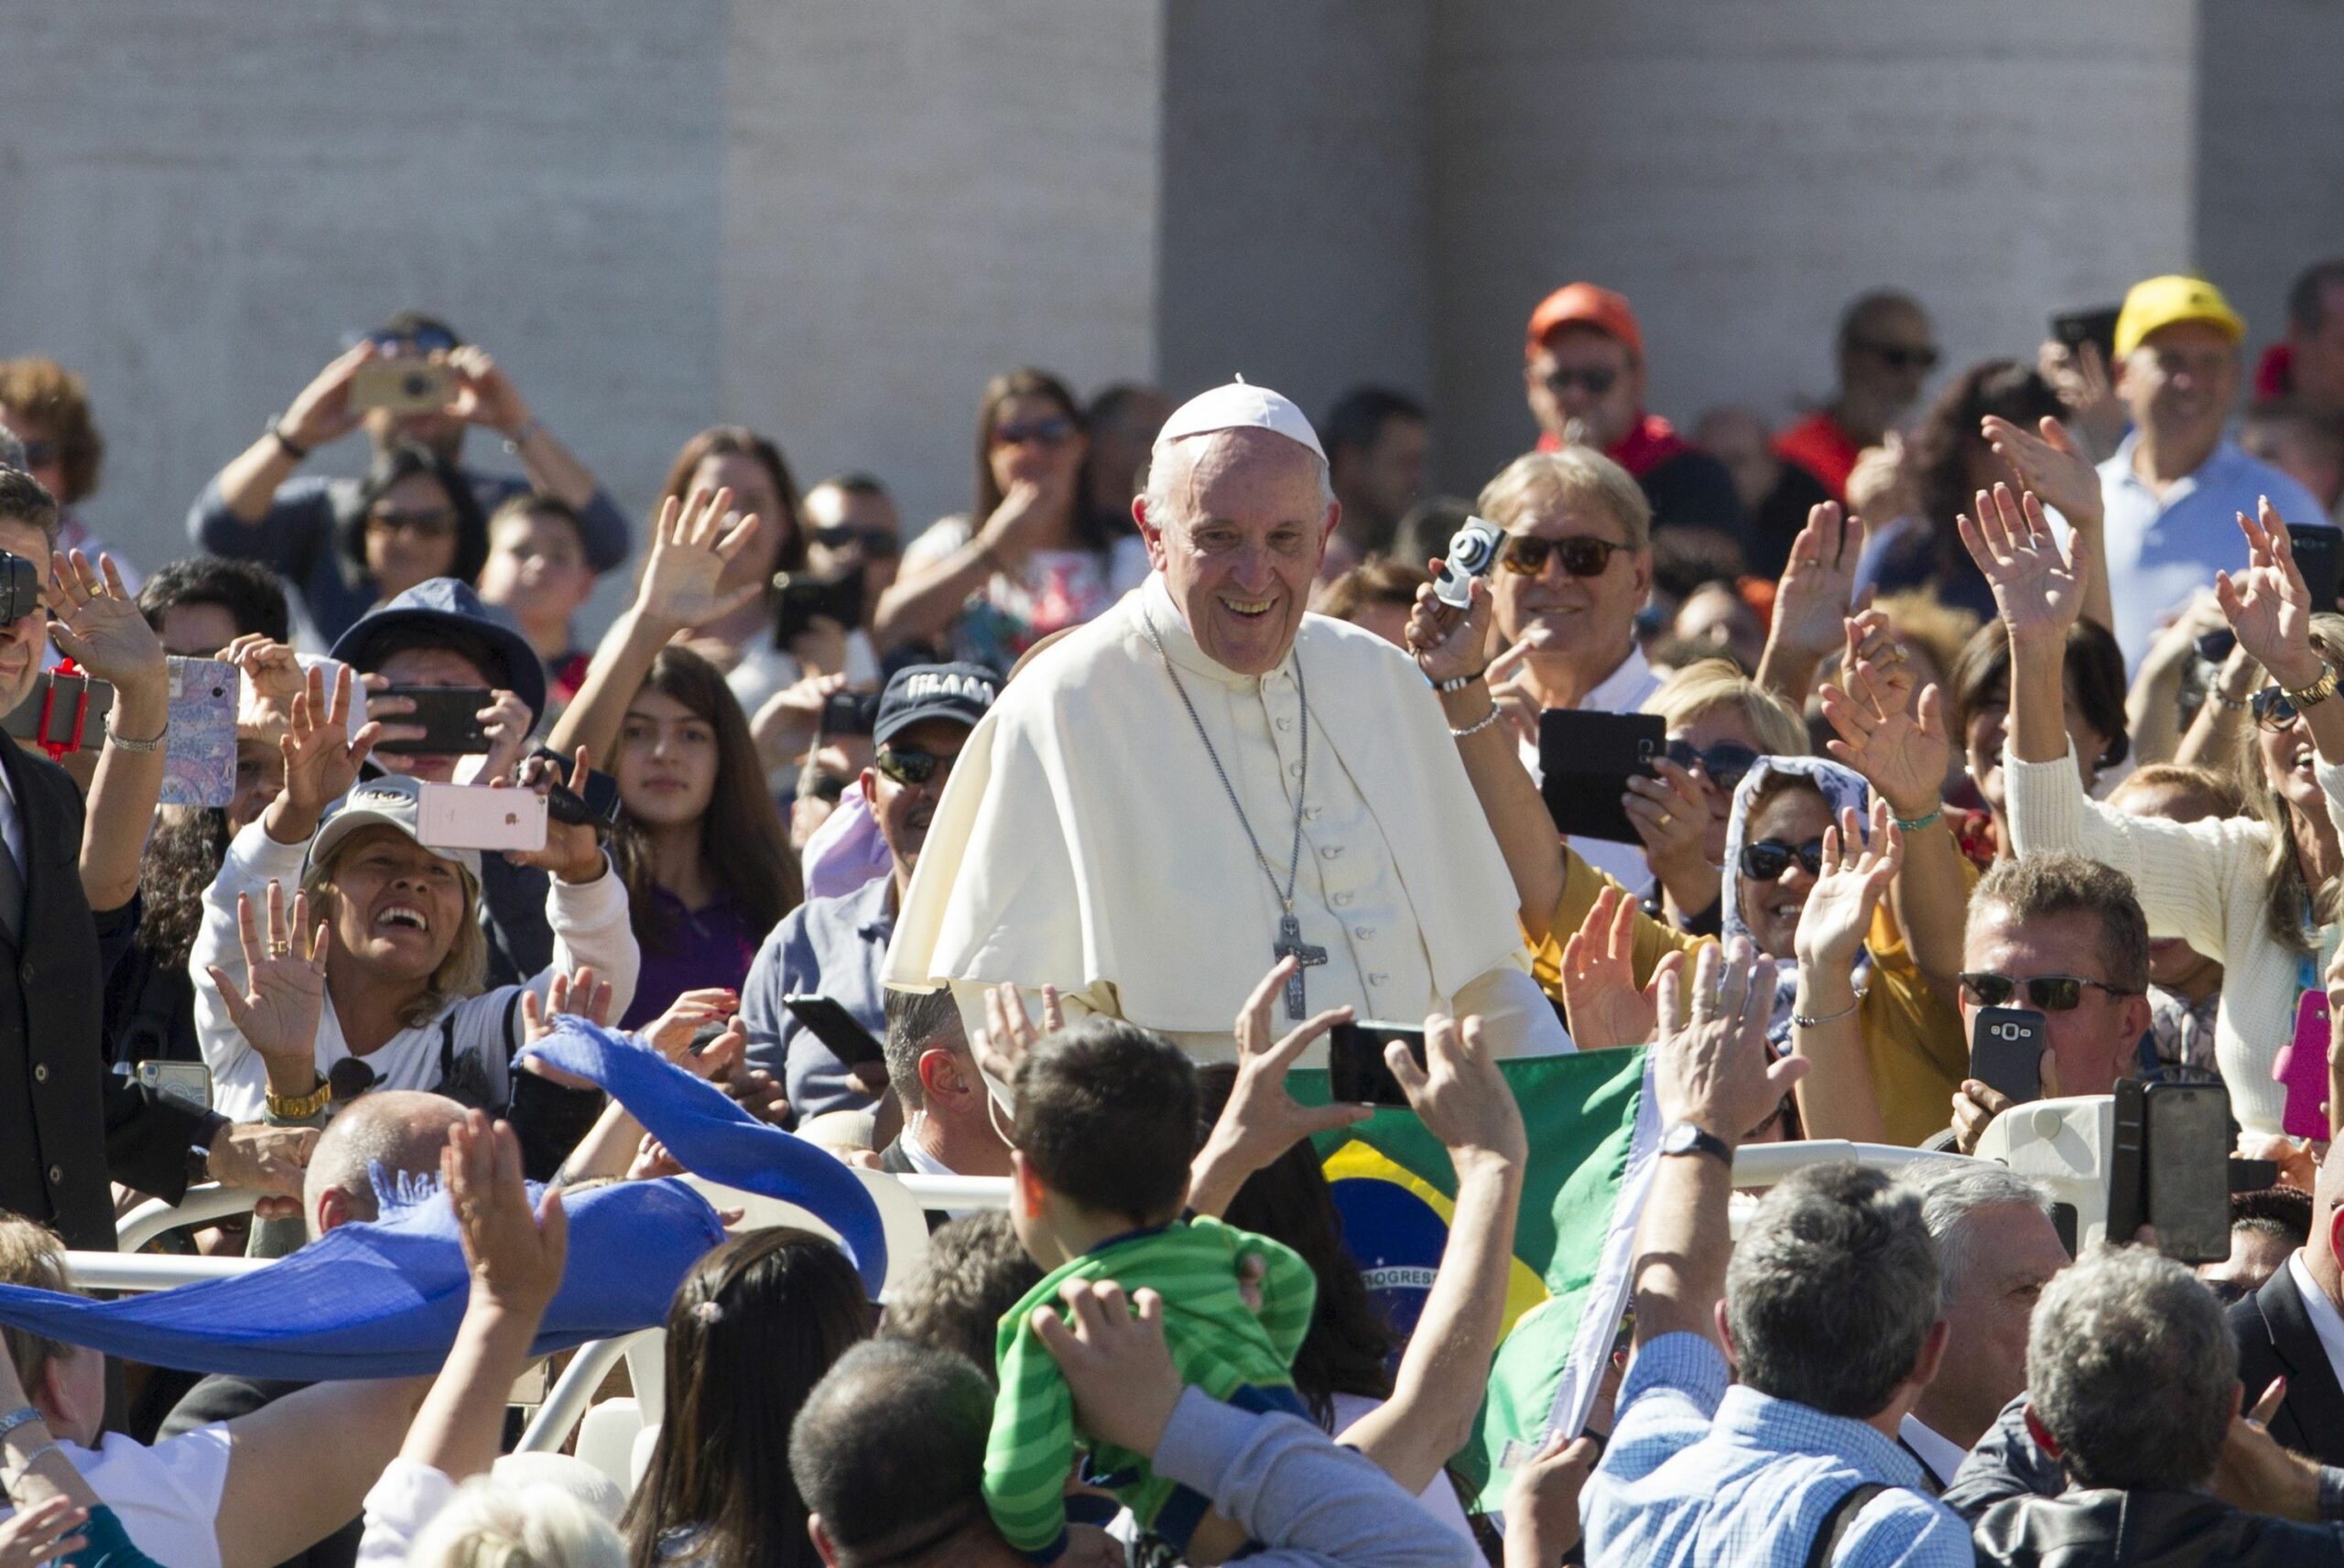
x=397 y=1133
x=1205 y=781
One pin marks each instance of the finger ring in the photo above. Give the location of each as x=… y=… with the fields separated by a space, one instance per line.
x=280 y=949
x=1665 y=820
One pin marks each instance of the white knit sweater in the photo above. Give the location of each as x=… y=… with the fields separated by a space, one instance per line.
x=2202 y=881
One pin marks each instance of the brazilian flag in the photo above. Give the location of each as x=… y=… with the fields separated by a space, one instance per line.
x=1593 y=1130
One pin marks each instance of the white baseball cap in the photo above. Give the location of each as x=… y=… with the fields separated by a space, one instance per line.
x=394 y=800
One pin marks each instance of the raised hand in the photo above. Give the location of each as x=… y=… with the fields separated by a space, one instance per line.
x=485 y=393
x=1902 y=754
x=1670 y=812
x=691 y=543
x=516 y=1255
x=1600 y=992
x=1819 y=586
x=1711 y=1065
x=2038 y=587
x=320 y=412
x=574 y=852
x=2268 y=605
x=2050 y=464
x=321 y=758
x=583 y=995
x=1262 y=1121
x=1009 y=1035
x=1448 y=642
x=671 y=1033
x=272 y=678
x=1460 y=1095
x=506 y=721
x=1854 y=880
x=277 y=1007
x=98 y=626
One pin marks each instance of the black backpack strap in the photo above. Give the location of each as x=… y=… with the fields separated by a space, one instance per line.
x=1835 y=1523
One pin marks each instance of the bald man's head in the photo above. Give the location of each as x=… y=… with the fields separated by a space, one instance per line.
x=402 y=1131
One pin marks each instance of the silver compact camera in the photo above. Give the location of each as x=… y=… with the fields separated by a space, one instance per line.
x=1472 y=551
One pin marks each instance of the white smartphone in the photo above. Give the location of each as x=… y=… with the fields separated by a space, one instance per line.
x=474 y=817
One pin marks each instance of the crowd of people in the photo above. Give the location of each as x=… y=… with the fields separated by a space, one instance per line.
x=1096 y=808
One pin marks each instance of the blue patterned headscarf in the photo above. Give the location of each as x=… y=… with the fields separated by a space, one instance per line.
x=1842 y=790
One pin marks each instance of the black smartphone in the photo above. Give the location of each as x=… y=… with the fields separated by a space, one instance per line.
x=834 y=1026
x=2320 y=555
x=2095 y=324
x=848 y=713
x=2185 y=1154
x=1356 y=1071
x=597 y=808
x=62 y=714
x=802 y=597
x=2006 y=1052
x=1587 y=760
x=449 y=716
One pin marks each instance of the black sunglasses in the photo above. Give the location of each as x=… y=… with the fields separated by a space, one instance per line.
x=877 y=543
x=1896 y=356
x=351 y=1077
x=1583 y=554
x=1770 y=857
x=2045 y=993
x=911 y=767
x=1724 y=763
x=1047 y=432
x=423 y=341
x=1597 y=379
x=2274 y=710
x=2229 y=1291
x=40 y=454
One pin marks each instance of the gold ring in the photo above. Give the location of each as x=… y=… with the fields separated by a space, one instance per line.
x=280 y=949
x=1666 y=819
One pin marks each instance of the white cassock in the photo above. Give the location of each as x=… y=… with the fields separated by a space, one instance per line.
x=1086 y=842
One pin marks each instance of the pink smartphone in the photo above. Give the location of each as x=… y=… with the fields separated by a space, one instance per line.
x=2302 y=1067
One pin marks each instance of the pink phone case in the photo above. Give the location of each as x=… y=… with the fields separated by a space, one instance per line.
x=2302 y=1067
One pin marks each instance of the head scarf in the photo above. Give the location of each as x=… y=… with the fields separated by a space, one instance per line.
x=1842 y=790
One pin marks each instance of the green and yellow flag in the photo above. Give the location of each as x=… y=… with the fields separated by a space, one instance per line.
x=1593 y=1130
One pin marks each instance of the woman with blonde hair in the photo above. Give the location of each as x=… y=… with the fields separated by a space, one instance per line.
x=1720 y=723
x=384 y=989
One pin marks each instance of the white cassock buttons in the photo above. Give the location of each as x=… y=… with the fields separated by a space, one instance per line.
x=1285 y=723
x=1379 y=978
x=1342 y=900
x=1332 y=852
x=1364 y=933
x=1294 y=768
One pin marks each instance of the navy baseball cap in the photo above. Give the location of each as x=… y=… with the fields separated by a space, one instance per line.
x=958 y=692
x=445 y=613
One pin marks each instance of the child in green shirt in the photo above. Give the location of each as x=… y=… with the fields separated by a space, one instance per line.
x=1106 y=1124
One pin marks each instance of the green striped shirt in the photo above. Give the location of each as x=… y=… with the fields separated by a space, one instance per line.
x=1217 y=1342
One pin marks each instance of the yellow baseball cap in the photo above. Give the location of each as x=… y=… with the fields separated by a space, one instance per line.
x=2161 y=301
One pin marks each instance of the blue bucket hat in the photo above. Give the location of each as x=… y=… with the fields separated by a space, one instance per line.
x=445 y=613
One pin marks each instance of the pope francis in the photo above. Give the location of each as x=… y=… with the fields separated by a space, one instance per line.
x=1207 y=779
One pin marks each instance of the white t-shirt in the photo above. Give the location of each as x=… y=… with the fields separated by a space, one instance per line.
x=1439 y=1499
x=766 y=669
x=167 y=1496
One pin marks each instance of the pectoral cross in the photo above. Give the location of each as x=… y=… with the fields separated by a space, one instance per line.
x=1290 y=945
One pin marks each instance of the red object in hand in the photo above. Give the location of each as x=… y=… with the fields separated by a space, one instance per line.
x=66 y=670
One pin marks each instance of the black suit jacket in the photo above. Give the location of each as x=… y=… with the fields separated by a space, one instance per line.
x=67 y=1125
x=2276 y=1339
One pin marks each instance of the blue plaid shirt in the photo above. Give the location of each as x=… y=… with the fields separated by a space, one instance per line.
x=1699 y=1474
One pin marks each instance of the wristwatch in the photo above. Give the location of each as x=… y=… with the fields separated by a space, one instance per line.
x=1687 y=1139
x=290 y=1107
x=2319 y=691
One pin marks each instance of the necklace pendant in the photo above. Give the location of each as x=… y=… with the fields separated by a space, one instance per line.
x=1290 y=945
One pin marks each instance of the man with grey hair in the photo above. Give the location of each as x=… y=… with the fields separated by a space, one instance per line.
x=1996 y=1250
x=2134 y=1384
x=1831 y=1314
x=948 y=1127
x=1207 y=781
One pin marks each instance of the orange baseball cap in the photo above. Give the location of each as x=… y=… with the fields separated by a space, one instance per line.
x=1585 y=304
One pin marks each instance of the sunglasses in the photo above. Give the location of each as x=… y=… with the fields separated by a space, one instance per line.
x=437 y=524
x=1048 y=432
x=1770 y=857
x=1724 y=763
x=40 y=454
x=909 y=767
x=2229 y=1291
x=1896 y=356
x=2045 y=993
x=425 y=340
x=2272 y=709
x=351 y=1077
x=1583 y=554
x=1596 y=380
x=877 y=542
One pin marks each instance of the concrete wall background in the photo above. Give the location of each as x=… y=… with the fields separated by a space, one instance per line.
x=834 y=219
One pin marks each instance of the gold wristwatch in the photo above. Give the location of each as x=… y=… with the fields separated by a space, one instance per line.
x=317 y=1099
x=2319 y=691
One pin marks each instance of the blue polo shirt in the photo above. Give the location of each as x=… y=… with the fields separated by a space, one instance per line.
x=2161 y=551
x=826 y=946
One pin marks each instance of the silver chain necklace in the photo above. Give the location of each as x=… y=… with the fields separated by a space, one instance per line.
x=1289 y=944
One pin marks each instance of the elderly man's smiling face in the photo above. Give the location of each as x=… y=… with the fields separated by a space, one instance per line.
x=1239 y=527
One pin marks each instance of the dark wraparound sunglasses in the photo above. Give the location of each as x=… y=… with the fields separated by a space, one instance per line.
x=1045 y=432
x=1583 y=554
x=425 y=340
x=1597 y=379
x=877 y=542
x=2274 y=710
x=911 y=767
x=1897 y=356
x=1725 y=762
x=2045 y=993
x=1770 y=857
